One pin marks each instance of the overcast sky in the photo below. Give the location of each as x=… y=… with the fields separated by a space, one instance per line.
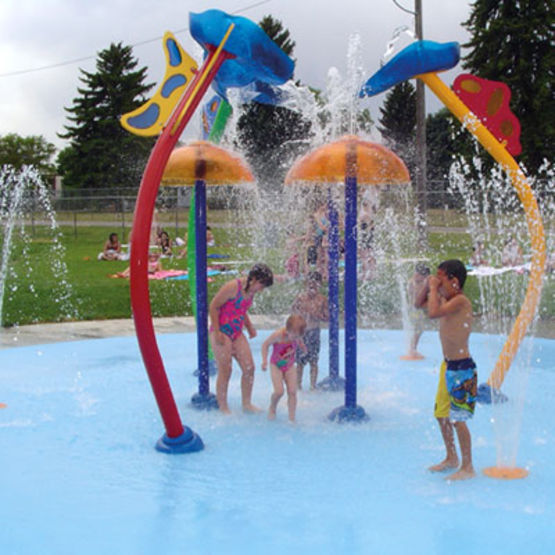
x=36 y=34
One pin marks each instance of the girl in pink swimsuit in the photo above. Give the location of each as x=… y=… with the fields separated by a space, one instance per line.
x=284 y=342
x=228 y=315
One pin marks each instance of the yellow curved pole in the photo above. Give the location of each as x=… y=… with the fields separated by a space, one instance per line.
x=533 y=220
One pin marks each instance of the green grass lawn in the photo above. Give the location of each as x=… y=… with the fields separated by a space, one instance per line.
x=34 y=293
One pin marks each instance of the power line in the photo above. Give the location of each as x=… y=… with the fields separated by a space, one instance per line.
x=140 y=43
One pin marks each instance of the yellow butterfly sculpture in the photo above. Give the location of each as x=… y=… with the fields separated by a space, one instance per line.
x=149 y=119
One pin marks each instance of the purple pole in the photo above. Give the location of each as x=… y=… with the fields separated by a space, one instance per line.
x=350 y=412
x=203 y=399
x=333 y=382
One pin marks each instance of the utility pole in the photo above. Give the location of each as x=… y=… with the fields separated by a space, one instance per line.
x=422 y=200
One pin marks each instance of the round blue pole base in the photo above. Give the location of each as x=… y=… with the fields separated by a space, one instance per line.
x=354 y=414
x=187 y=442
x=212 y=369
x=488 y=395
x=332 y=383
x=204 y=402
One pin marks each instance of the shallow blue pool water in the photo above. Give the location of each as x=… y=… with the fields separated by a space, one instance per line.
x=79 y=472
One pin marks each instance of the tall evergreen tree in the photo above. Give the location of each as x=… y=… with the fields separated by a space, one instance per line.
x=398 y=122
x=512 y=42
x=274 y=29
x=101 y=153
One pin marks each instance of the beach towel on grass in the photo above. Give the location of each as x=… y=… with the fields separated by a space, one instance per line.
x=209 y=273
x=491 y=271
x=166 y=274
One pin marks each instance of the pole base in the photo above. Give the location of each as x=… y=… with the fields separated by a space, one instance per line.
x=488 y=395
x=332 y=383
x=354 y=414
x=505 y=472
x=204 y=402
x=187 y=442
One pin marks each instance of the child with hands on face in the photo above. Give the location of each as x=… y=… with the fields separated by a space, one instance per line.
x=457 y=388
x=282 y=363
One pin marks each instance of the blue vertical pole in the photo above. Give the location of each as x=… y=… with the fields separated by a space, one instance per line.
x=350 y=292
x=203 y=399
x=202 y=303
x=350 y=412
x=333 y=382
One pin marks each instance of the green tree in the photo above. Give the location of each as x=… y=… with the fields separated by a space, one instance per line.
x=101 y=153
x=33 y=150
x=398 y=122
x=446 y=141
x=272 y=136
x=274 y=29
x=512 y=42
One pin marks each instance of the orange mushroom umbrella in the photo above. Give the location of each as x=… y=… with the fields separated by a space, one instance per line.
x=204 y=160
x=353 y=161
x=370 y=163
x=199 y=164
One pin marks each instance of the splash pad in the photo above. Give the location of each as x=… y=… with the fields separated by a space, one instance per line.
x=282 y=489
x=80 y=472
x=231 y=64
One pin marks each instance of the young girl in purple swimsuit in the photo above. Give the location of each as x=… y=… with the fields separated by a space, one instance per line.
x=285 y=342
x=228 y=315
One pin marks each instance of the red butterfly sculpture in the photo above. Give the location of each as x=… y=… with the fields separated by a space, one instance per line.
x=489 y=101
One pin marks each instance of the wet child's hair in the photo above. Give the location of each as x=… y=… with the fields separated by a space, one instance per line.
x=296 y=321
x=314 y=276
x=454 y=268
x=261 y=273
x=422 y=269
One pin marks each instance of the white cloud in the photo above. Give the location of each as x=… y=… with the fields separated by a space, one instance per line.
x=36 y=33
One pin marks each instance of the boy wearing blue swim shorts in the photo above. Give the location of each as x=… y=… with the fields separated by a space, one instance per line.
x=457 y=388
x=313 y=307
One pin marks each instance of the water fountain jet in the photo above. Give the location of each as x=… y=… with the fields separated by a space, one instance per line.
x=354 y=162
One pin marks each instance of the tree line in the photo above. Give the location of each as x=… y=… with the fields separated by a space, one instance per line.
x=510 y=42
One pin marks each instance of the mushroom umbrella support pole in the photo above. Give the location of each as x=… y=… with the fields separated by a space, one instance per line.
x=200 y=164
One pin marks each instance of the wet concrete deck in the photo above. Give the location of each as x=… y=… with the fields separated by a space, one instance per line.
x=37 y=334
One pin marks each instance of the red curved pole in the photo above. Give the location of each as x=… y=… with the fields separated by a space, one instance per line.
x=142 y=221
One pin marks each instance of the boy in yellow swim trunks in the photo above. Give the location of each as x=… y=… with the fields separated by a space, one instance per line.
x=457 y=388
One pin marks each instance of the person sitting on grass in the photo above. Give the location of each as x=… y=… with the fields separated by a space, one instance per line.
x=112 y=248
x=165 y=243
x=154 y=265
x=512 y=254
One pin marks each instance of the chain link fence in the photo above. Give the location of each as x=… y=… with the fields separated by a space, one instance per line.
x=115 y=207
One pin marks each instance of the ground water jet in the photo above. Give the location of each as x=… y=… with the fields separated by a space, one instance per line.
x=22 y=194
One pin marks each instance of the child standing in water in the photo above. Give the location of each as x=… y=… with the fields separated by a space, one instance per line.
x=228 y=315
x=313 y=307
x=285 y=342
x=418 y=296
x=457 y=389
